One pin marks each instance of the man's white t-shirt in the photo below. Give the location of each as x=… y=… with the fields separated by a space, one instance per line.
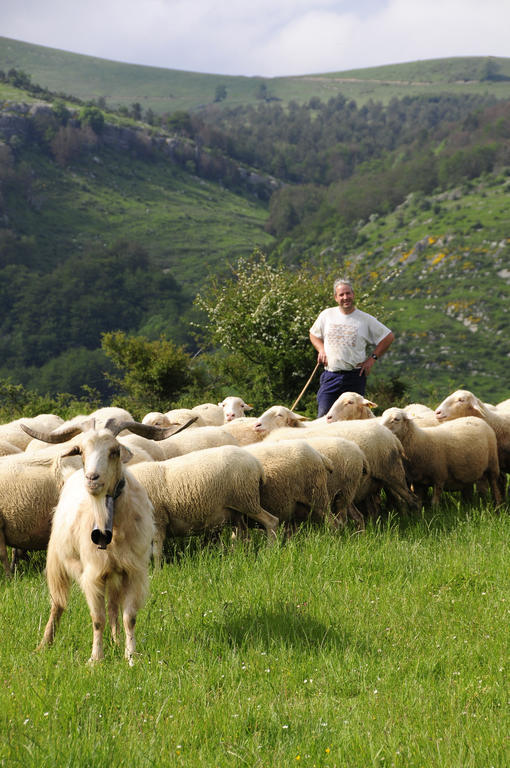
x=346 y=336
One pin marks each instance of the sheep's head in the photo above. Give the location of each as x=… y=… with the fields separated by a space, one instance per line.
x=462 y=402
x=156 y=419
x=396 y=420
x=349 y=406
x=278 y=416
x=234 y=408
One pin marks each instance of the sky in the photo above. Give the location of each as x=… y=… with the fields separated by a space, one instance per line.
x=263 y=37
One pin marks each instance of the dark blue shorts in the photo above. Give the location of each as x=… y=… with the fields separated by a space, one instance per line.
x=334 y=383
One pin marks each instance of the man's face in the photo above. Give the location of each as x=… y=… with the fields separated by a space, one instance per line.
x=344 y=296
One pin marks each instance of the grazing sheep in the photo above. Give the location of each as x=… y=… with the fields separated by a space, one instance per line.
x=465 y=403
x=384 y=453
x=243 y=430
x=29 y=491
x=276 y=417
x=454 y=455
x=350 y=465
x=101 y=536
x=349 y=406
x=7 y=449
x=234 y=408
x=142 y=449
x=195 y=440
x=424 y=416
x=13 y=433
x=295 y=484
x=156 y=419
x=202 y=491
x=209 y=415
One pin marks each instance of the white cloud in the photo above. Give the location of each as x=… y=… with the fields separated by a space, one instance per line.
x=264 y=37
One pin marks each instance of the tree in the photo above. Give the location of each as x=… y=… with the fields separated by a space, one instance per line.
x=136 y=110
x=93 y=117
x=154 y=373
x=220 y=93
x=261 y=317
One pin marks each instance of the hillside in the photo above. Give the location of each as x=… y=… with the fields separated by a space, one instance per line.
x=170 y=90
x=443 y=263
x=107 y=222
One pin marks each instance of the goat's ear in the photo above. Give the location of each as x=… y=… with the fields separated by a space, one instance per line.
x=125 y=454
x=75 y=450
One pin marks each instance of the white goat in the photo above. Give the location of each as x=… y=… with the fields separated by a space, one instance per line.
x=101 y=535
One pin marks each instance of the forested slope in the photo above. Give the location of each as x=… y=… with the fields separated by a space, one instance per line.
x=109 y=223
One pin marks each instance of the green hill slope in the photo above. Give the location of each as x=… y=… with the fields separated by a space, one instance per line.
x=169 y=90
x=441 y=264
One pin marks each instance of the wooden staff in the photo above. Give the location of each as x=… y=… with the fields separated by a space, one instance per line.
x=305 y=387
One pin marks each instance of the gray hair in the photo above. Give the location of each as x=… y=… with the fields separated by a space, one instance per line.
x=341 y=281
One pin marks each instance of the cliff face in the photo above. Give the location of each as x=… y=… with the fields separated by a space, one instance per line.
x=22 y=123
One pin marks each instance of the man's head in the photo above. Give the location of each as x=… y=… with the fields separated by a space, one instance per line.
x=344 y=296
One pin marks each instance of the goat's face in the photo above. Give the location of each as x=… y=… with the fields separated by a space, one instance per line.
x=102 y=456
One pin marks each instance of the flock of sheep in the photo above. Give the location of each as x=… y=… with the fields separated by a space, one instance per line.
x=102 y=492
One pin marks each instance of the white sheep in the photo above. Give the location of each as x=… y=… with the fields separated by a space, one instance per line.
x=276 y=417
x=7 y=449
x=504 y=405
x=209 y=414
x=29 y=491
x=462 y=402
x=243 y=430
x=423 y=415
x=202 y=491
x=350 y=466
x=234 y=408
x=195 y=440
x=384 y=453
x=295 y=484
x=101 y=536
x=13 y=433
x=349 y=406
x=455 y=455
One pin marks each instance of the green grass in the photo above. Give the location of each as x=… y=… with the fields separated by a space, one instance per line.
x=168 y=90
x=384 y=649
x=191 y=226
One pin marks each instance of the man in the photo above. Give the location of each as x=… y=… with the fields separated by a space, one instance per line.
x=341 y=335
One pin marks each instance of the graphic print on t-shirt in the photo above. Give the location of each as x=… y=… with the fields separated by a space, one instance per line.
x=342 y=336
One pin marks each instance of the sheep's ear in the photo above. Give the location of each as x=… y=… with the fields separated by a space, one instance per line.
x=247 y=407
x=75 y=450
x=299 y=417
x=477 y=408
x=125 y=453
x=369 y=403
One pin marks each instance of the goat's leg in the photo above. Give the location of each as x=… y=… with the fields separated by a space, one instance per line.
x=135 y=590
x=95 y=596
x=114 y=596
x=59 y=584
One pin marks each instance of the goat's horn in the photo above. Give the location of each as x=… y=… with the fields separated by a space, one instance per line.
x=145 y=430
x=60 y=435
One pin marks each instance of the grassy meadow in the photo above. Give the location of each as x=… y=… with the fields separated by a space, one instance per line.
x=387 y=648
x=169 y=90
